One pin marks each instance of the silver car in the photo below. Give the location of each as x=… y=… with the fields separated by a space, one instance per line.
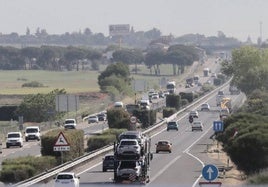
x=129 y=148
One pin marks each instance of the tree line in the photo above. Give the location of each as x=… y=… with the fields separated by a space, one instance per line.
x=245 y=136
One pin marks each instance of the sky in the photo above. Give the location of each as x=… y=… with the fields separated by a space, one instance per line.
x=235 y=18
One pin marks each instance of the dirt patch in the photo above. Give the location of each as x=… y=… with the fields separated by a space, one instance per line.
x=229 y=176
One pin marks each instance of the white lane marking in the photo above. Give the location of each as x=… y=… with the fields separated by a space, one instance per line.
x=89 y=168
x=165 y=168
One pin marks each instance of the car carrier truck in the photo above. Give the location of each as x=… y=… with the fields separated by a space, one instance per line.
x=132 y=168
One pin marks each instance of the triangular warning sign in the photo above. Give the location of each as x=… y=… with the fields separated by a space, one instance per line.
x=61 y=141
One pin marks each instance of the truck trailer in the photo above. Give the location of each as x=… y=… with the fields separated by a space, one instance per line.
x=133 y=169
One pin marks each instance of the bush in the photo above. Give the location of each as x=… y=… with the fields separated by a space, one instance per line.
x=189 y=96
x=100 y=141
x=217 y=81
x=146 y=117
x=118 y=118
x=173 y=101
x=168 y=112
x=184 y=102
x=33 y=84
x=22 y=168
x=74 y=137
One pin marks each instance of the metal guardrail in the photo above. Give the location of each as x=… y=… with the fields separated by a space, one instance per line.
x=77 y=162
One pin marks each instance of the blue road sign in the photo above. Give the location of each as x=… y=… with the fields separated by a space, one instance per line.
x=218 y=126
x=210 y=172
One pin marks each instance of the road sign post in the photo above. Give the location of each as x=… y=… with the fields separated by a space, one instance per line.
x=218 y=126
x=61 y=145
x=210 y=184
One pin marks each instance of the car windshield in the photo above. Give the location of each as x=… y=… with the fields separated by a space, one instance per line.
x=31 y=130
x=13 y=135
x=65 y=176
x=172 y=123
x=69 y=121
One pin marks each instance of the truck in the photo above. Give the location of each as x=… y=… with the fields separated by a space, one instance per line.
x=190 y=81
x=196 y=79
x=206 y=72
x=133 y=169
x=234 y=90
x=226 y=102
x=171 y=87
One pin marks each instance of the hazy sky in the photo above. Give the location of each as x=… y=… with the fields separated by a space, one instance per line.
x=237 y=18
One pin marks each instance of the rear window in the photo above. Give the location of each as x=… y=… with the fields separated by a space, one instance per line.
x=65 y=176
x=127 y=164
x=109 y=157
x=162 y=143
x=128 y=143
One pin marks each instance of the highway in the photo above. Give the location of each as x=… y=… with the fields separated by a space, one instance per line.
x=183 y=166
x=182 y=141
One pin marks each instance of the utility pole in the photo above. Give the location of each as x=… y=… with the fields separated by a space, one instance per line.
x=260 y=41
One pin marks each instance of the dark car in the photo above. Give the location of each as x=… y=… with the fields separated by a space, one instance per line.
x=101 y=117
x=108 y=163
x=172 y=125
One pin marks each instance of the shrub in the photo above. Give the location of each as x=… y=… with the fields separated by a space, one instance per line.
x=173 y=101
x=22 y=168
x=74 y=137
x=168 y=112
x=33 y=84
x=118 y=118
x=100 y=141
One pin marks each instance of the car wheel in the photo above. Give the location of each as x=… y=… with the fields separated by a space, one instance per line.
x=157 y=151
x=170 y=151
x=7 y=146
x=26 y=139
x=104 y=170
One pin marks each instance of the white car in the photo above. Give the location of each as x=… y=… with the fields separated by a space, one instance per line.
x=155 y=96
x=127 y=168
x=205 y=107
x=66 y=179
x=197 y=125
x=128 y=148
x=14 y=139
x=70 y=122
x=93 y=119
x=194 y=114
x=32 y=133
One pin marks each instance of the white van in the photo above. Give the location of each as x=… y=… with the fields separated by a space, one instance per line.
x=119 y=104
x=32 y=133
x=145 y=104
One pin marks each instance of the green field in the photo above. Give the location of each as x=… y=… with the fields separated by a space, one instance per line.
x=72 y=81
